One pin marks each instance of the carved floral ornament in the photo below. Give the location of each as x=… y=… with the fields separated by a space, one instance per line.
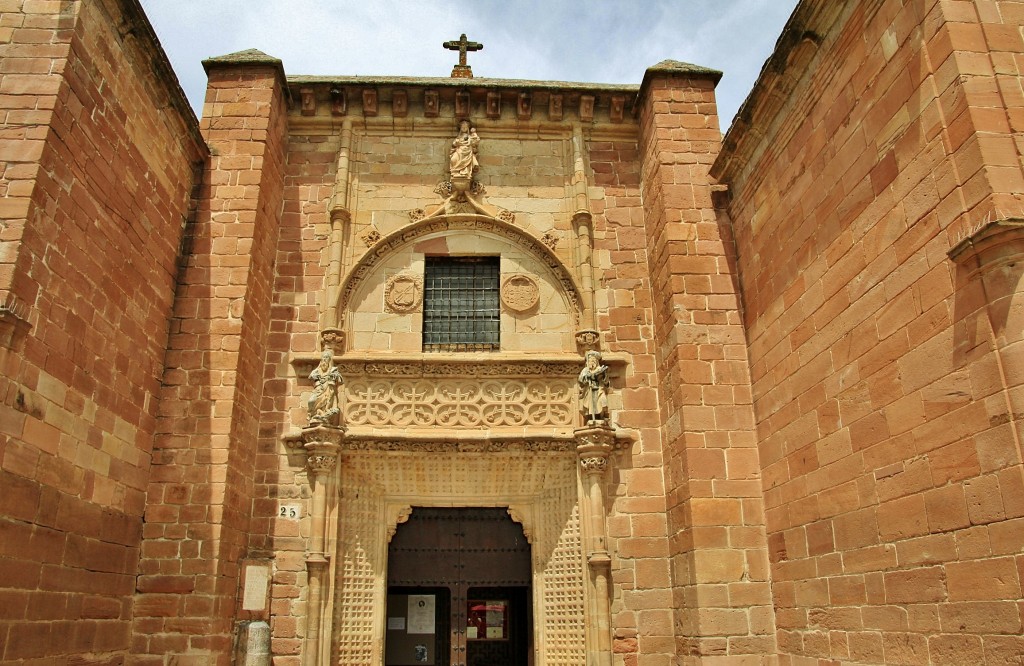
x=594 y=464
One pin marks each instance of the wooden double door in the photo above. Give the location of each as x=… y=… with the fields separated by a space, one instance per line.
x=459 y=590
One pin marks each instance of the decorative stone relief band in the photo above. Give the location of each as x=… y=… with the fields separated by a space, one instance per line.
x=567 y=369
x=532 y=445
x=462 y=403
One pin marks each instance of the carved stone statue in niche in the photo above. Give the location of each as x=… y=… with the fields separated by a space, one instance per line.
x=593 y=381
x=464 y=148
x=323 y=406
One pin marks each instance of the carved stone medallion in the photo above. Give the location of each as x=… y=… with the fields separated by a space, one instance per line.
x=519 y=292
x=403 y=293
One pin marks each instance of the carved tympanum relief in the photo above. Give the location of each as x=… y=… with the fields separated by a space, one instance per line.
x=383 y=298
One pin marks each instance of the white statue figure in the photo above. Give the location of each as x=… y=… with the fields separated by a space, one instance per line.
x=593 y=382
x=464 y=148
x=323 y=401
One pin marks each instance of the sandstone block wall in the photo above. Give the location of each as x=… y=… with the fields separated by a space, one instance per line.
x=530 y=173
x=885 y=371
x=97 y=161
x=715 y=518
x=200 y=495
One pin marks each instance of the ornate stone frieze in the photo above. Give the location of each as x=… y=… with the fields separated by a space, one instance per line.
x=596 y=464
x=356 y=443
x=458 y=403
x=403 y=293
x=519 y=292
x=450 y=367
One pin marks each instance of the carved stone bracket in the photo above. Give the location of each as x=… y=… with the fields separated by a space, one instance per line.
x=588 y=340
x=14 y=322
x=992 y=244
x=397 y=514
x=523 y=516
x=333 y=339
x=322 y=443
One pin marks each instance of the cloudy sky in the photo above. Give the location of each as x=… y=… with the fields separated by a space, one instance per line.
x=594 y=41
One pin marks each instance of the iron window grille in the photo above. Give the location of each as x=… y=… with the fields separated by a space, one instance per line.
x=461 y=309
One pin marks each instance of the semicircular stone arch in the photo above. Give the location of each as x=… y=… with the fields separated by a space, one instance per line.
x=373 y=319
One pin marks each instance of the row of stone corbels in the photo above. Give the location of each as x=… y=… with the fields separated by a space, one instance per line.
x=338 y=100
x=594 y=446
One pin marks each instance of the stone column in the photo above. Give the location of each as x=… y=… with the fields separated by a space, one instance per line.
x=340 y=217
x=594 y=445
x=322 y=444
x=582 y=220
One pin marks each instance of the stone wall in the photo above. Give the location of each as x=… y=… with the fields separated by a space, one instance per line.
x=99 y=155
x=886 y=371
x=200 y=496
x=715 y=516
x=528 y=169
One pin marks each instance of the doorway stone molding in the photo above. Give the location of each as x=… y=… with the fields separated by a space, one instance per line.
x=377 y=490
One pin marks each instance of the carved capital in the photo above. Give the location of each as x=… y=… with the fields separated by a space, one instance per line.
x=582 y=218
x=593 y=446
x=322 y=444
x=332 y=339
x=588 y=340
x=600 y=561
x=339 y=214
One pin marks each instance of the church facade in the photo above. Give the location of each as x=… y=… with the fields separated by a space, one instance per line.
x=460 y=370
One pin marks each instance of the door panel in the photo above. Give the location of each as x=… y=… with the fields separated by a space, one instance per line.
x=476 y=554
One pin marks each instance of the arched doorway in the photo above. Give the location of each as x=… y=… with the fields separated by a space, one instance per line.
x=459 y=590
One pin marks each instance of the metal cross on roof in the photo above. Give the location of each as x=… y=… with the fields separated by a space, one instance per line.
x=462 y=70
